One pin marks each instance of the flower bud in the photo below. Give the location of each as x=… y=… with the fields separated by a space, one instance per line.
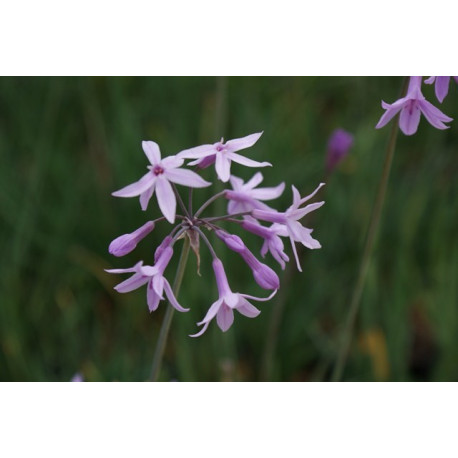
x=339 y=145
x=124 y=244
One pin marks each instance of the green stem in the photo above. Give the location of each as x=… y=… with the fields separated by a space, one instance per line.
x=365 y=260
x=164 y=332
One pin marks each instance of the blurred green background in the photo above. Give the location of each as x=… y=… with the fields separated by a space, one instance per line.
x=67 y=143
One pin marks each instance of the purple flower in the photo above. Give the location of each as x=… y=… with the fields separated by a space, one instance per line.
x=272 y=242
x=411 y=106
x=288 y=224
x=244 y=197
x=223 y=154
x=339 y=145
x=161 y=174
x=126 y=243
x=227 y=302
x=264 y=276
x=442 y=84
x=153 y=277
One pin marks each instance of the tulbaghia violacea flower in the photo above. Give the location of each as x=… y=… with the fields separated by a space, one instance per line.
x=153 y=276
x=245 y=197
x=222 y=154
x=411 y=106
x=227 y=302
x=288 y=222
x=126 y=243
x=339 y=144
x=161 y=173
x=441 y=86
x=264 y=276
x=272 y=242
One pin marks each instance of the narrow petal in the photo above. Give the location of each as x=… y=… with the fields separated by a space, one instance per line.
x=434 y=116
x=223 y=167
x=299 y=214
x=248 y=309
x=225 y=317
x=186 y=178
x=305 y=199
x=137 y=188
x=241 y=143
x=390 y=113
x=166 y=199
x=268 y=193
x=254 y=181
x=201 y=331
x=172 y=162
x=430 y=80
x=410 y=118
x=212 y=311
x=247 y=162
x=441 y=88
x=146 y=196
x=152 y=151
x=171 y=297
x=259 y=299
x=158 y=285
x=236 y=183
x=197 y=152
x=152 y=298
x=131 y=283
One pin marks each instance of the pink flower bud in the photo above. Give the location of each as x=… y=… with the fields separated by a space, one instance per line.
x=124 y=244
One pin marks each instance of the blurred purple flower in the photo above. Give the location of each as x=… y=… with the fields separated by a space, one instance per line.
x=288 y=224
x=223 y=154
x=124 y=244
x=244 y=197
x=77 y=378
x=411 y=106
x=227 y=302
x=153 y=276
x=339 y=145
x=442 y=84
x=161 y=174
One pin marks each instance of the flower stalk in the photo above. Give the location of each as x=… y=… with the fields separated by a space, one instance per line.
x=165 y=328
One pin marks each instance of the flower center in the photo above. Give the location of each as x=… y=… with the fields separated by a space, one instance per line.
x=220 y=148
x=158 y=170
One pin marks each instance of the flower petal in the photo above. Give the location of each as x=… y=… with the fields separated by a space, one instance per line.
x=242 y=143
x=223 y=167
x=390 y=113
x=152 y=298
x=146 y=196
x=166 y=199
x=259 y=299
x=152 y=151
x=248 y=309
x=137 y=188
x=441 y=88
x=247 y=162
x=186 y=178
x=236 y=183
x=133 y=282
x=268 y=193
x=298 y=214
x=434 y=116
x=158 y=285
x=410 y=118
x=306 y=198
x=225 y=318
x=171 y=297
x=254 y=181
x=172 y=162
x=212 y=311
x=296 y=257
x=197 y=152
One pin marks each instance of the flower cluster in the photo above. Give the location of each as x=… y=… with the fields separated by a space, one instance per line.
x=246 y=208
x=414 y=104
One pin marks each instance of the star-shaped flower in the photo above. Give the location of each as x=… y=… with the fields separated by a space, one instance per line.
x=222 y=154
x=161 y=173
x=244 y=197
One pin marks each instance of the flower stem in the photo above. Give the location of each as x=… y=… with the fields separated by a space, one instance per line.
x=161 y=341
x=366 y=258
x=208 y=202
